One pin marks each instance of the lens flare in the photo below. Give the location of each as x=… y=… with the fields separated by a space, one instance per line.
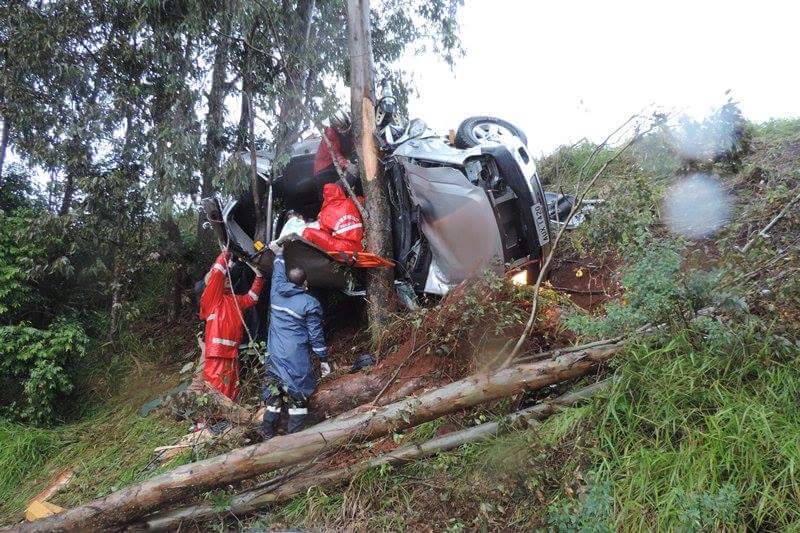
x=520 y=278
x=696 y=206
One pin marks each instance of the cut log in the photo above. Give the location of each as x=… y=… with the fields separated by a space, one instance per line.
x=60 y=481
x=195 y=440
x=275 y=492
x=216 y=405
x=138 y=500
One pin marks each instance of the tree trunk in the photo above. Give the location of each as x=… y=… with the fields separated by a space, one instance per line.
x=256 y=183
x=69 y=190
x=116 y=293
x=296 y=68
x=180 y=277
x=244 y=117
x=244 y=109
x=4 y=146
x=215 y=137
x=215 y=119
x=77 y=156
x=276 y=491
x=136 y=501
x=362 y=102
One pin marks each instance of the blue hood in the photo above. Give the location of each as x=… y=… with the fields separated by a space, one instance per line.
x=295 y=330
x=289 y=289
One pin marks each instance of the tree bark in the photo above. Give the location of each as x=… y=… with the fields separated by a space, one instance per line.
x=244 y=117
x=116 y=296
x=276 y=491
x=215 y=120
x=256 y=183
x=138 y=500
x=215 y=138
x=4 y=146
x=66 y=200
x=295 y=69
x=378 y=230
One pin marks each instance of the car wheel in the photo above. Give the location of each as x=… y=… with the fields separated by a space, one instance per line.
x=476 y=131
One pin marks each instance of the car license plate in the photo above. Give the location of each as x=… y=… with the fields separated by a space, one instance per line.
x=541 y=224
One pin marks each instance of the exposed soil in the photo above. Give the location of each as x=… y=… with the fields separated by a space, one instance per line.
x=466 y=333
x=590 y=282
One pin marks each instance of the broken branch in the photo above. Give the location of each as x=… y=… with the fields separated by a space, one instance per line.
x=775 y=219
x=575 y=208
x=138 y=500
x=254 y=499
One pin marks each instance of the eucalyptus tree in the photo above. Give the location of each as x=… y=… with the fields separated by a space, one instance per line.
x=127 y=104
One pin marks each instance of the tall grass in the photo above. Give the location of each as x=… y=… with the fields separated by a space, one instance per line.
x=23 y=451
x=108 y=449
x=704 y=432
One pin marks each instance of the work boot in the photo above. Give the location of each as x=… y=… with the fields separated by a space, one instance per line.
x=297 y=415
x=271 y=415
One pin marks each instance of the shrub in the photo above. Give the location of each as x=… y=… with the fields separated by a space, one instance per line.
x=589 y=514
x=34 y=364
x=652 y=292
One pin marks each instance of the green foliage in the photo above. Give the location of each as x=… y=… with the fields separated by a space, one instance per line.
x=778 y=130
x=34 y=364
x=15 y=260
x=708 y=511
x=569 y=164
x=110 y=447
x=702 y=432
x=652 y=293
x=630 y=189
x=591 y=514
x=23 y=453
x=718 y=143
x=624 y=220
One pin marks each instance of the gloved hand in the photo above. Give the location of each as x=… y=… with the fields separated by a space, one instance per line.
x=325 y=369
x=276 y=249
x=254 y=269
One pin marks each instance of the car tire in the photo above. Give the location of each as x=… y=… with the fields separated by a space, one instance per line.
x=467 y=138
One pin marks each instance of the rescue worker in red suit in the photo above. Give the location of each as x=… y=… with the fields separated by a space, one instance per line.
x=222 y=312
x=340 y=225
x=339 y=133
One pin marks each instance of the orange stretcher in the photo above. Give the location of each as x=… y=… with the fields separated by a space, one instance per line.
x=361 y=259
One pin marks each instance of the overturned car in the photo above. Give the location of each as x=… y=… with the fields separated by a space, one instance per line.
x=459 y=206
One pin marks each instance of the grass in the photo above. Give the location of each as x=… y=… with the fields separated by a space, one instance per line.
x=778 y=130
x=109 y=448
x=486 y=485
x=698 y=416
x=700 y=431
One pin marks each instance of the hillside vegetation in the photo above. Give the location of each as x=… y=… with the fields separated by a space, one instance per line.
x=698 y=431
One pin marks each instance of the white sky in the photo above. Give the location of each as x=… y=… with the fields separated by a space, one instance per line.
x=562 y=70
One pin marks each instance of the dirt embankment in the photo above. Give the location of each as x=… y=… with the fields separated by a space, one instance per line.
x=588 y=281
x=467 y=332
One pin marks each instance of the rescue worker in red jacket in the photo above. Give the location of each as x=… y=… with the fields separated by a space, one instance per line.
x=340 y=135
x=222 y=312
x=340 y=225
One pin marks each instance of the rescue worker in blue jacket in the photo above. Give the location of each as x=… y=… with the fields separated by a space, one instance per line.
x=295 y=329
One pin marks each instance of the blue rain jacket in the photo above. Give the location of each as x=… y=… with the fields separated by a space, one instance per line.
x=295 y=330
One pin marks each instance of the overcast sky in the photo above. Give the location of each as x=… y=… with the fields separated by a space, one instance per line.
x=562 y=70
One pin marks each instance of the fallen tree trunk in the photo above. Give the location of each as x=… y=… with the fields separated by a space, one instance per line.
x=138 y=500
x=276 y=491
